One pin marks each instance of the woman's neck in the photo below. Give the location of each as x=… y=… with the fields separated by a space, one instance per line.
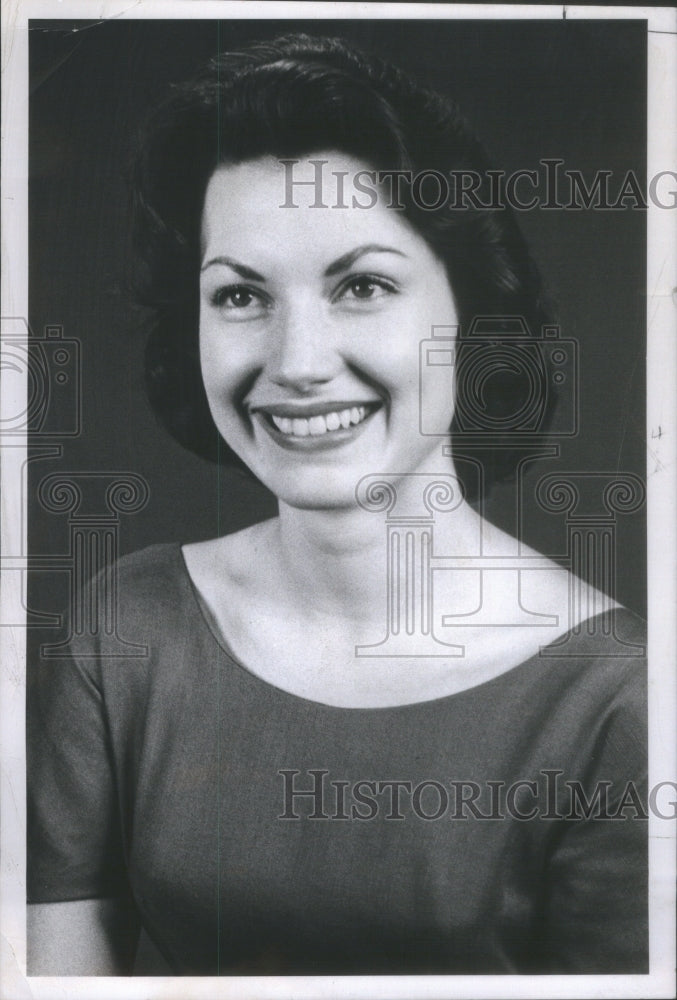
x=336 y=564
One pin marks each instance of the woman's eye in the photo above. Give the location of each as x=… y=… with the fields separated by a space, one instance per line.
x=365 y=288
x=238 y=298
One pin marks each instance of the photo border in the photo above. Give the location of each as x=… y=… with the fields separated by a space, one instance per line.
x=662 y=530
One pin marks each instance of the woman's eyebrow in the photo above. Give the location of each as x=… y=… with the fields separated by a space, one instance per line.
x=241 y=269
x=342 y=263
x=348 y=259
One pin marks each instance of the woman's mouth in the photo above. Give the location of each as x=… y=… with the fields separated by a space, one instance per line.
x=326 y=427
x=322 y=423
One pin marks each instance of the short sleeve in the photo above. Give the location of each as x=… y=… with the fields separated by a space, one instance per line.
x=75 y=844
x=596 y=913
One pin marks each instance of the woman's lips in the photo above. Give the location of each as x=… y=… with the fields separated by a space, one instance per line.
x=310 y=426
x=321 y=423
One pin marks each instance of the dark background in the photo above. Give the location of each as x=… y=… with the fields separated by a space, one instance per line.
x=571 y=90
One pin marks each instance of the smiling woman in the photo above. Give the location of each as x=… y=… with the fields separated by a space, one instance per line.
x=192 y=795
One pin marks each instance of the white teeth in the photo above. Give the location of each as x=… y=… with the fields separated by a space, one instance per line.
x=320 y=424
x=300 y=428
x=283 y=424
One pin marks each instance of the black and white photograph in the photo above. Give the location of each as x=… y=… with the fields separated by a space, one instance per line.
x=338 y=494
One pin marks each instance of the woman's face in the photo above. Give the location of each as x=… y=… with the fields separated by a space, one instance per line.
x=310 y=324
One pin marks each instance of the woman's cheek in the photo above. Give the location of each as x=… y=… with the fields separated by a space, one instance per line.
x=224 y=359
x=392 y=363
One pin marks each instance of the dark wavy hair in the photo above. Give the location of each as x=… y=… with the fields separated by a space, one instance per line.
x=297 y=95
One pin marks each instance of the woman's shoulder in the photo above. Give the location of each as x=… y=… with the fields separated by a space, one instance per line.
x=233 y=567
x=234 y=553
x=608 y=644
x=590 y=681
x=169 y=586
x=159 y=561
x=130 y=602
x=150 y=579
x=609 y=651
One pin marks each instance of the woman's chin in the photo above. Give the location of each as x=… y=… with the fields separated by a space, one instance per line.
x=319 y=491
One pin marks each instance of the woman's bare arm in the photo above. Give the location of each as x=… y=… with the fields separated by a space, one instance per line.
x=86 y=937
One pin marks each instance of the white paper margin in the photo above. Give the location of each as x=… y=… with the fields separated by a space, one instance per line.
x=662 y=531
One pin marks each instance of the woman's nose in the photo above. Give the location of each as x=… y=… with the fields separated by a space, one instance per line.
x=304 y=352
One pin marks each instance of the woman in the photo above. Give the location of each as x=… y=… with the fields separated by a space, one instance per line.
x=273 y=789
